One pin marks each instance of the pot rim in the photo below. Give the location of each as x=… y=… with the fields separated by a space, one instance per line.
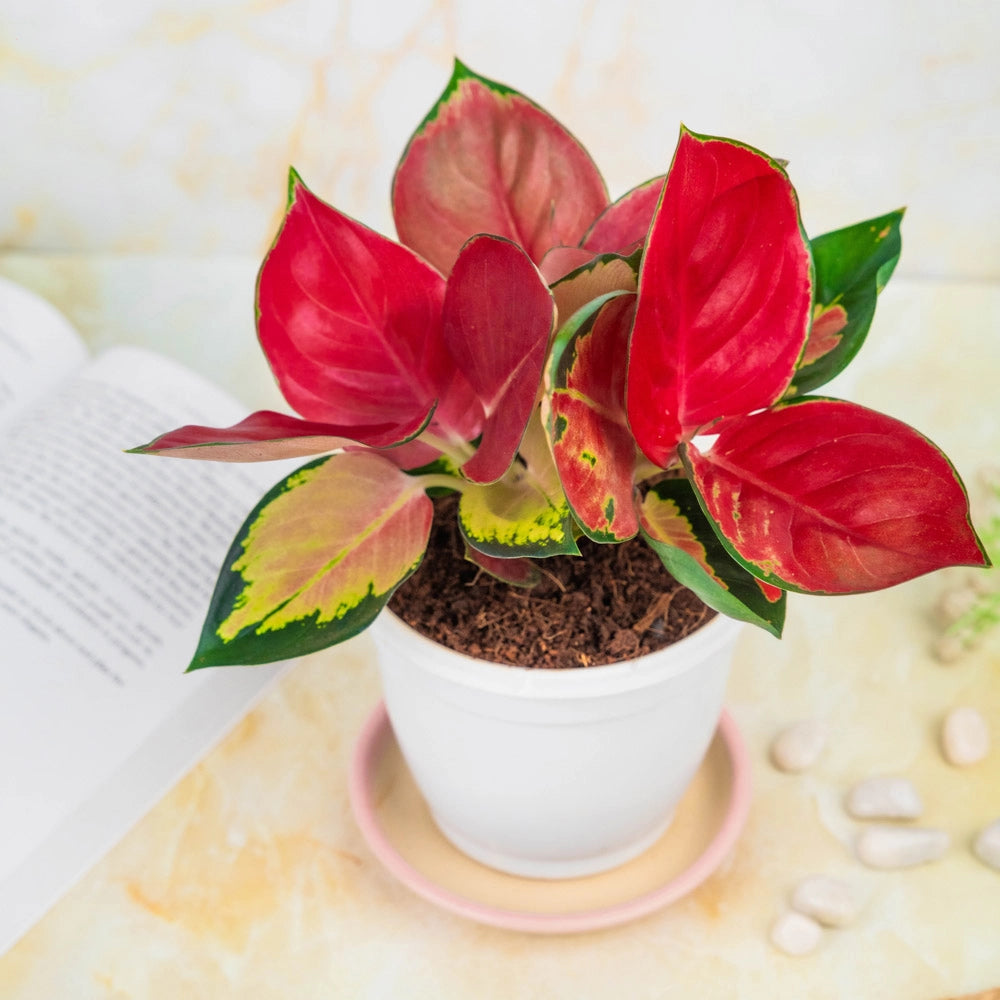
x=579 y=682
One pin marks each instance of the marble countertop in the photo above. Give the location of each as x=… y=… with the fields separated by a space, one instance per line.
x=250 y=878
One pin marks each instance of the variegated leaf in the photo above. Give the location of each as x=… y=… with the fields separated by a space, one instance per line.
x=561 y=261
x=350 y=323
x=852 y=267
x=677 y=529
x=624 y=225
x=264 y=436
x=584 y=413
x=316 y=560
x=498 y=318
x=597 y=277
x=514 y=572
x=825 y=496
x=526 y=513
x=488 y=160
x=724 y=294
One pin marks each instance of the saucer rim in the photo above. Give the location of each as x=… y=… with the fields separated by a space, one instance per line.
x=368 y=747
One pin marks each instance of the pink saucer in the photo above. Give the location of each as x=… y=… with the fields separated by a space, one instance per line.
x=400 y=831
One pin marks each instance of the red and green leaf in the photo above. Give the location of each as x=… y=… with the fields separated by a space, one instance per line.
x=623 y=225
x=597 y=277
x=525 y=513
x=514 y=572
x=561 y=261
x=852 y=267
x=724 y=294
x=825 y=496
x=584 y=413
x=265 y=436
x=351 y=321
x=315 y=561
x=488 y=160
x=678 y=531
x=498 y=318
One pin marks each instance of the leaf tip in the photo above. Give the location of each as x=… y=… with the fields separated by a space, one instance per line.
x=294 y=183
x=775 y=628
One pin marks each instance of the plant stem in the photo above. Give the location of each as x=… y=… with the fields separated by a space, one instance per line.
x=442 y=481
x=458 y=452
x=645 y=469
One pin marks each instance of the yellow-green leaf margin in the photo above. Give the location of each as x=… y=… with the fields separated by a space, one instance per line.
x=675 y=527
x=315 y=561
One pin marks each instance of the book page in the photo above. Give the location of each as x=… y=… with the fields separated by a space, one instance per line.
x=38 y=348
x=107 y=564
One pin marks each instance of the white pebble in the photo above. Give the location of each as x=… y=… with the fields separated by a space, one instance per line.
x=827 y=900
x=796 y=934
x=987 y=845
x=798 y=747
x=900 y=846
x=884 y=798
x=965 y=737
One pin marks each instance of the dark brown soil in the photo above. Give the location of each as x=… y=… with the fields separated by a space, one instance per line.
x=615 y=603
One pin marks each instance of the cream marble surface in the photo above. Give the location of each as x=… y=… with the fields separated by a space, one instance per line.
x=157 y=125
x=250 y=879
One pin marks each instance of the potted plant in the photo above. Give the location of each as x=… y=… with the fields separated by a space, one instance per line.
x=573 y=371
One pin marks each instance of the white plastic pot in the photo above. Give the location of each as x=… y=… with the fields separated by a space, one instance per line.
x=553 y=773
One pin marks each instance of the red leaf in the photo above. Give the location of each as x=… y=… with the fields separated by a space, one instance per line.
x=724 y=294
x=827 y=496
x=351 y=321
x=498 y=316
x=265 y=436
x=488 y=160
x=825 y=333
x=623 y=225
x=772 y=593
x=560 y=261
x=518 y=572
x=591 y=443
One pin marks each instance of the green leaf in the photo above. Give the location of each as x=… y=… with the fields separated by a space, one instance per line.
x=526 y=512
x=316 y=561
x=852 y=267
x=676 y=528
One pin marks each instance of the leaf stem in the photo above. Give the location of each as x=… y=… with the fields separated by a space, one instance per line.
x=440 y=480
x=458 y=451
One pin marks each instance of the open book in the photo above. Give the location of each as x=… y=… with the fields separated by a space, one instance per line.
x=107 y=563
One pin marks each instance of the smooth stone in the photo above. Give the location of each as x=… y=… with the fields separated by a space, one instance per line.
x=965 y=737
x=796 y=934
x=885 y=798
x=987 y=845
x=900 y=846
x=828 y=900
x=798 y=747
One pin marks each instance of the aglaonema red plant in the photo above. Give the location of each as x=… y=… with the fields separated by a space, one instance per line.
x=569 y=366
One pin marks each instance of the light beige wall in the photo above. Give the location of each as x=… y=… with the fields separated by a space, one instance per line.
x=158 y=125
